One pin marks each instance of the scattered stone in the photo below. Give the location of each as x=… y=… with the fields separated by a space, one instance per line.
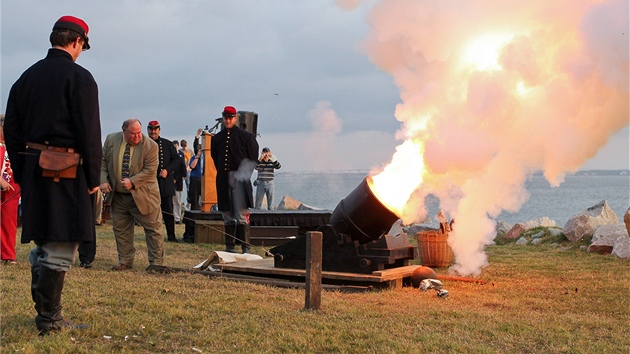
x=601 y=249
x=609 y=233
x=288 y=203
x=502 y=227
x=308 y=207
x=540 y=222
x=621 y=248
x=412 y=230
x=582 y=225
x=626 y=220
x=553 y=232
x=521 y=241
x=539 y=235
x=515 y=231
x=537 y=241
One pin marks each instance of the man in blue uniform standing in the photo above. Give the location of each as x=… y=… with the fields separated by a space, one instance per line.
x=235 y=154
x=53 y=135
x=168 y=161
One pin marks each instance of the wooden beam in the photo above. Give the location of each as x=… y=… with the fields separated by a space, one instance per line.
x=313 y=270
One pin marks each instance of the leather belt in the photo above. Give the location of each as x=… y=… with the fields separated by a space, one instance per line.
x=37 y=146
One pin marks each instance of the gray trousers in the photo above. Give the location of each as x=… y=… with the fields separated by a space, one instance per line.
x=54 y=255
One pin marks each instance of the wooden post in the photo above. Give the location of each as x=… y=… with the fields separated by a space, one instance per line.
x=313 y=270
x=208 y=180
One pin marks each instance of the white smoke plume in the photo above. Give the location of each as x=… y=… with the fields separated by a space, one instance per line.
x=493 y=91
x=326 y=128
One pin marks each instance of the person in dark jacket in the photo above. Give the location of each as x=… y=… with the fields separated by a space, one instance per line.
x=53 y=107
x=180 y=175
x=168 y=162
x=235 y=153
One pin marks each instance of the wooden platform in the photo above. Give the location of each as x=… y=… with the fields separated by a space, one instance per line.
x=389 y=278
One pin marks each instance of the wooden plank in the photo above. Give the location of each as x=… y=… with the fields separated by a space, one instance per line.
x=265 y=266
x=394 y=273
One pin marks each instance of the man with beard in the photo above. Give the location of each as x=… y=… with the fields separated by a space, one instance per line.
x=235 y=152
x=168 y=161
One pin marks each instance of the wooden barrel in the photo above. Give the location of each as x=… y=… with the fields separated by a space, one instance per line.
x=434 y=249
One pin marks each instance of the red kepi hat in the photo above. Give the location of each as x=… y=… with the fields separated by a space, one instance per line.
x=74 y=24
x=154 y=124
x=229 y=111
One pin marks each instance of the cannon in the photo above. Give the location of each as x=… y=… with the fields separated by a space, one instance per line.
x=355 y=240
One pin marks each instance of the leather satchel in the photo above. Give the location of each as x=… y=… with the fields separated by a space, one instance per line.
x=58 y=164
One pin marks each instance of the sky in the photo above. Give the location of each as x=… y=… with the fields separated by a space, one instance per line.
x=325 y=98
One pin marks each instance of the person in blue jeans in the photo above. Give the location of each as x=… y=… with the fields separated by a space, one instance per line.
x=267 y=163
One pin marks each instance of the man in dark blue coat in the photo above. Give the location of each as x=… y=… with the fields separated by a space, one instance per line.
x=168 y=162
x=53 y=108
x=235 y=154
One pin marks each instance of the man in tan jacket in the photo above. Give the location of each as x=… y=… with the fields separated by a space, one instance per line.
x=128 y=177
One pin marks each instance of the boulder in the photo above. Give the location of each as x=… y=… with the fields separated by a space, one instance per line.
x=522 y=241
x=544 y=222
x=308 y=207
x=621 y=248
x=583 y=224
x=626 y=220
x=553 y=232
x=609 y=233
x=601 y=249
x=502 y=227
x=539 y=235
x=288 y=203
x=515 y=231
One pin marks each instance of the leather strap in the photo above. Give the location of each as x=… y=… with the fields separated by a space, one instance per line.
x=37 y=146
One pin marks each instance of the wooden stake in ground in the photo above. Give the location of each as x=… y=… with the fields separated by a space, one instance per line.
x=313 y=270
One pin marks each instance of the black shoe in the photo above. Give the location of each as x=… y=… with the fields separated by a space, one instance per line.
x=230 y=249
x=172 y=239
x=86 y=265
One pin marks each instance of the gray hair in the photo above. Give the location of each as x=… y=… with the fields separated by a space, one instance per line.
x=130 y=121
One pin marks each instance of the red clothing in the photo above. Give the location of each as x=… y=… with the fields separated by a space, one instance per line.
x=9 y=211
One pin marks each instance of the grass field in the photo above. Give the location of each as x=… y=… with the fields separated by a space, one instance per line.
x=538 y=299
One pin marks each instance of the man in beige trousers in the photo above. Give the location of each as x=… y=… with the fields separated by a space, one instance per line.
x=128 y=177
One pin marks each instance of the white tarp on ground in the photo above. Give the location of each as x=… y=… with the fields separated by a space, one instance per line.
x=220 y=257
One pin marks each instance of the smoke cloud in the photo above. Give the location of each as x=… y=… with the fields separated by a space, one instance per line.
x=327 y=126
x=493 y=91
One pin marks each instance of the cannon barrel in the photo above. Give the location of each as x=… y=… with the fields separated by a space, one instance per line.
x=361 y=215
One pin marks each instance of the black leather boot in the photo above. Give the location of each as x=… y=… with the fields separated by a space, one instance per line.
x=243 y=235
x=48 y=292
x=231 y=230
x=34 y=280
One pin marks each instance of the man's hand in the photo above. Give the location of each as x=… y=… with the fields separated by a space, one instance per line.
x=105 y=187
x=163 y=173
x=126 y=184
x=93 y=190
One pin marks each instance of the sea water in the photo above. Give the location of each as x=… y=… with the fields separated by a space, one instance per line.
x=578 y=192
